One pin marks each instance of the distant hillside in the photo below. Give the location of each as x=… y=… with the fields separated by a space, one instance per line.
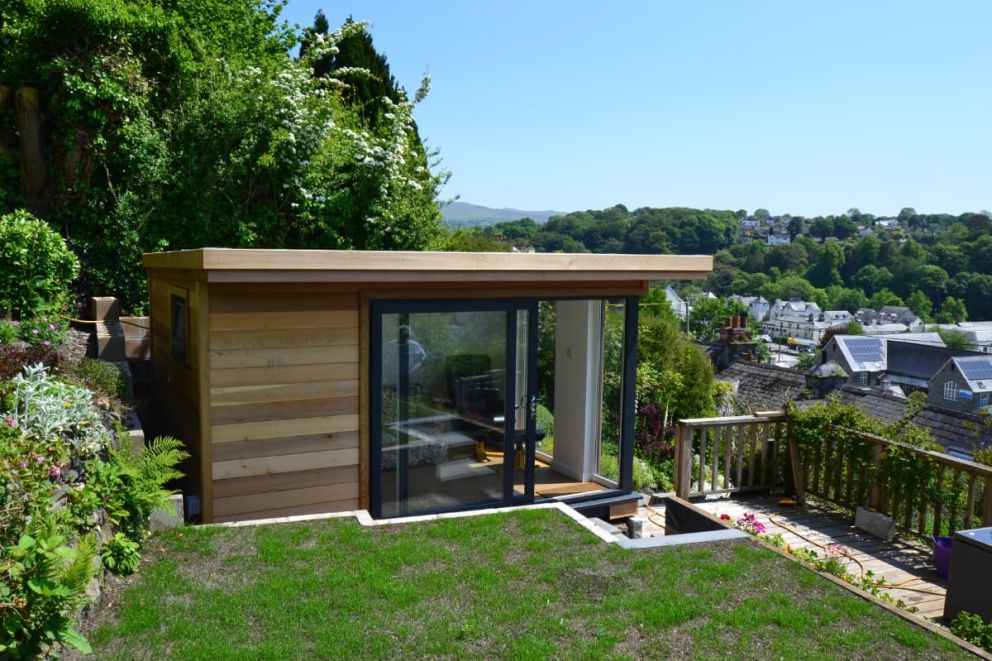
x=464 y=214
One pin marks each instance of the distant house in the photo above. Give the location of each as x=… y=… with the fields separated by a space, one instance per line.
x=890 y=319
x=774 y=239
x=976 y=334
x=838 y=317
x=963 y=384
x=886 y=223
x=863 y=358
x=757 y=306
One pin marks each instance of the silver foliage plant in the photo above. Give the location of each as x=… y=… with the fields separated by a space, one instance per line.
x=46 y=408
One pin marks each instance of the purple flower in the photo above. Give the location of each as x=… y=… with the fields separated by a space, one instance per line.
x=55 y=472
x=34 y=331
x=38 y=459
x=47 y=343
x=22 y=464
x=11 y=422
x=52 y=326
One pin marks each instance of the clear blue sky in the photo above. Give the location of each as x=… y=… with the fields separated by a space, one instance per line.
x=801 y=107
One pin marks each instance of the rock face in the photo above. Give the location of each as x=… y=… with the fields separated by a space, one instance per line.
x=165 y=519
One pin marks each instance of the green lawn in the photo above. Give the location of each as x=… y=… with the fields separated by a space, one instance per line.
x=530 y=584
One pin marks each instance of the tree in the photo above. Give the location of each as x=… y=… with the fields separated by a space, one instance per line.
x=851 y=300
x=822 y=228
x=163 y=126
x=708 y=315
x=795 y=227
x=920 y=304
x=761 y=215
x=952 y=311
x=872 y=279
x=844 y=227
x=826 y=269
x=906 y=215
x=884 y=297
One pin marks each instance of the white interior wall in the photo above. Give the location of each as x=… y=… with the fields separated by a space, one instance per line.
x=578 y=370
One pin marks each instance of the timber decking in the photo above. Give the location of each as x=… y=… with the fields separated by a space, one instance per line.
x=902 y=561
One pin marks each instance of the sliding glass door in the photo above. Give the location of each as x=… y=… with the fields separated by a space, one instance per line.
x=452 y=415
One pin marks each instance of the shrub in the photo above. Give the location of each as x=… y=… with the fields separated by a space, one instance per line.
x=36 y=266
x=609 y=466
x=14 y=359
x=102 y=376
x=42 y=331
x=8 y=332
x=973 y=628
x=120 y=555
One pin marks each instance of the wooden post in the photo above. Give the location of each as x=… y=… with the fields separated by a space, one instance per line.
x=987 y=516
x=797 y=468
x=682 y=467
x=875 y=499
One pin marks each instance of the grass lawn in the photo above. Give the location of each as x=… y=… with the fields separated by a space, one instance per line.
x=528 y=584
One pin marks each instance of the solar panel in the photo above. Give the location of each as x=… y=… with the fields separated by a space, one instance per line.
x=865 y=350
x=976 y=370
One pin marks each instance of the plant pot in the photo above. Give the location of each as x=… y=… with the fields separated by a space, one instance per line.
x=942 y=555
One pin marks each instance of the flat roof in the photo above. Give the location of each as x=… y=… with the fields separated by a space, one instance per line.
x=243 y=265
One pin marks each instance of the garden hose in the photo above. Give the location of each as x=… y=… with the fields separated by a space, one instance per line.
x=892 y=586
x=89 y=321
x=651 y=518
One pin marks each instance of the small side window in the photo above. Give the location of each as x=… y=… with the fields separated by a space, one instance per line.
x=863 y=378
x=180 y=330
x=950 y=390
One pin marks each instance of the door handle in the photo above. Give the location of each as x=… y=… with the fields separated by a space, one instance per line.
x=533 y=404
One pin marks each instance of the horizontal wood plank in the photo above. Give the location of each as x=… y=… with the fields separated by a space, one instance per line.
x=283 y=392
x=290 y=463
x=280 y=302
x=283 y=357
x=316 y=508
x=228 y=321
x=282 y=446
x=250 y=431
x=270 y=376
x=281 y=499
x=306 y=408
x=282 y=337
x=244 y=486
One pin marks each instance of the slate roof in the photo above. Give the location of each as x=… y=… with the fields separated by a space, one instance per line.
x=958 y=432
x=976 y=370
x=881 y=405
x=920 y=361
x=761 y=387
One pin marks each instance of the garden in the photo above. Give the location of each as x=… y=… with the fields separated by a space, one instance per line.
x=443 y=589
x=75 y=497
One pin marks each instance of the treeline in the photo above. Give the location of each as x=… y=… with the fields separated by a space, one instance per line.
x=143 y=125
x=940 y=265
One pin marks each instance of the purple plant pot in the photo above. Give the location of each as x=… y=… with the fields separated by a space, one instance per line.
x=942 y=555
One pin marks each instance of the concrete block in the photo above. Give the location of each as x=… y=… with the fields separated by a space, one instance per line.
x=105 y=308
x=168 y=518
x=875 y=523
x=635 y=527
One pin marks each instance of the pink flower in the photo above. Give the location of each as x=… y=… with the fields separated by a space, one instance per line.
x=47 y=343
x=34 y=331
x=22 y=464
x=38 y=459
x=51 y=327
x=11 y=422
x=749 y=523
x=55 y=472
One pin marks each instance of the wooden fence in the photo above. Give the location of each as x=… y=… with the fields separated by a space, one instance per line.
x=925 y=492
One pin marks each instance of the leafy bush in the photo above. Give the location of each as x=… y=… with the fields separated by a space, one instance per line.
x=14 y=359
x=120 y=555
x=36 y=266
x=102 y=376
x=609 y=465
x=45 y=585
x=143 y=477
x=973 y=628
x=8 y=332
x=45 y=407
x=42 y=331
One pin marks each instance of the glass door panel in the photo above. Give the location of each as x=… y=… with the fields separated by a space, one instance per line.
x=442 y=409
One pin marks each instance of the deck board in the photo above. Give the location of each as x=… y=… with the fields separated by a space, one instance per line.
x=901 y=561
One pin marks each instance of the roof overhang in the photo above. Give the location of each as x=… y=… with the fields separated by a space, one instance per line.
x=354 y=266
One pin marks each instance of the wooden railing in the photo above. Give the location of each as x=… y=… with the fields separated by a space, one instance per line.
x=926 y=493
x=723 y=455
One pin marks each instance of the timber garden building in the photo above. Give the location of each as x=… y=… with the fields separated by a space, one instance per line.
x=404 y=383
